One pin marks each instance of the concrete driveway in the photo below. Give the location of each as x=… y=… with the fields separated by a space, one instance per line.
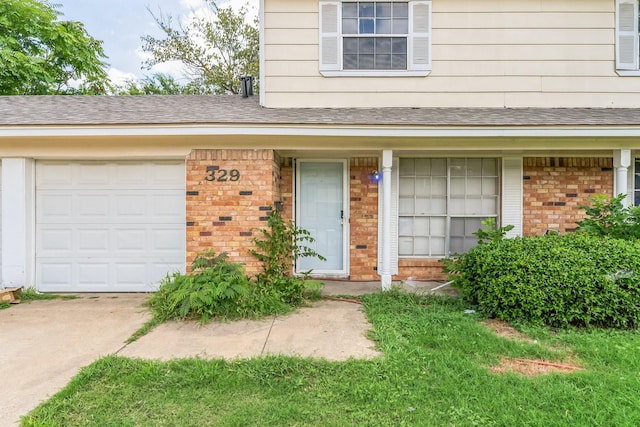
x=43 y=344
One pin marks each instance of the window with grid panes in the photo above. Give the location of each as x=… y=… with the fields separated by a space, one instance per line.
x=375 y=35
x=442 y=203
x=379 y=37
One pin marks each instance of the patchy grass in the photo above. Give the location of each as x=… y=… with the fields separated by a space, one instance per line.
x=144 y=329
x=435 y=371
x=30 y=294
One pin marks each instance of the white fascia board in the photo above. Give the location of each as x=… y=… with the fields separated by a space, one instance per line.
x=329 y=131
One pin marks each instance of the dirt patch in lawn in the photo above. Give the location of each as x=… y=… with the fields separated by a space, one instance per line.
x=503 y=329
x=531 y=367
x=528 y=367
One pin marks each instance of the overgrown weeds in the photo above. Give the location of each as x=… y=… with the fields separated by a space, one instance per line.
x=219 y=288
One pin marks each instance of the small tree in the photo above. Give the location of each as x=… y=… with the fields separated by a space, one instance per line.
x=278 y=247
x=216 y=52
x=40 y=55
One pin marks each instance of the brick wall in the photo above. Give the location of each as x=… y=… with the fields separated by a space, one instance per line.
x=555 y=187
x=419 y=269
x=363 y=206
x=229 y=194
x=222 y=215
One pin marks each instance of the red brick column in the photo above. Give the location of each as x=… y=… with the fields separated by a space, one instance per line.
x=554 y=187
x=229 y=195
x=363 y=207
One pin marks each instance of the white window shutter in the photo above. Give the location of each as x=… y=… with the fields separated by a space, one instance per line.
x=330 y=12
x=395 y=179
x=626 y=34
x=512 y=194
x=420 y=36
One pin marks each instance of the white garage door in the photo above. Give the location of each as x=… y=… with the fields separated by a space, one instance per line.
x=108 y=226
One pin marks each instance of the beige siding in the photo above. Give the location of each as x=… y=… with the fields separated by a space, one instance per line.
x=494 y=53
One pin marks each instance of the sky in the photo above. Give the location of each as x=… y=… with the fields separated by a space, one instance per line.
x=121 y=23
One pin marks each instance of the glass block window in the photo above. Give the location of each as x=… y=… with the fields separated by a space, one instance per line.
x=441 y=203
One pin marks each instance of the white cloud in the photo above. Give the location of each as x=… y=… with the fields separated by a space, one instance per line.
x=193 y=4
x=119 y=77
x=173 y=68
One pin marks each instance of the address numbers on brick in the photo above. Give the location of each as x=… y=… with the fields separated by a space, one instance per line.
x=214 y=173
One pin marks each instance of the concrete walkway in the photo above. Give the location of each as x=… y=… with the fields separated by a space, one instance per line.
x=43 y=344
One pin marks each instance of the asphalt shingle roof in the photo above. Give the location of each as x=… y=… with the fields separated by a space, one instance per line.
x=230 y=110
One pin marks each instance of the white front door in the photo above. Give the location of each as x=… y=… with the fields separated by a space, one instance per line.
x=322 y=210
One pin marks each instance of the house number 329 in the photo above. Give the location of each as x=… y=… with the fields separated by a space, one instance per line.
x=214 y=173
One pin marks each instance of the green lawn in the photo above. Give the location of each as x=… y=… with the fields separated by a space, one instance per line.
x=434 y=372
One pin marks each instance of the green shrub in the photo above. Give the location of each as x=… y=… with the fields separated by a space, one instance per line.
x=214 y=288
x=558 y=280
x=608 y=217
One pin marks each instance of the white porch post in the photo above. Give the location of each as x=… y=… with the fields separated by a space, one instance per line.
x=18 y=192
x=385 y=274
x=621 y=163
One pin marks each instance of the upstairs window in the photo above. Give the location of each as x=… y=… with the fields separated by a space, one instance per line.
x=375 y=38
x=627 y=54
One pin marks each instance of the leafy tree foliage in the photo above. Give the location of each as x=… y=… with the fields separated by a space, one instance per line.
x=40 y=55
x=160 y=84
x=216 y=52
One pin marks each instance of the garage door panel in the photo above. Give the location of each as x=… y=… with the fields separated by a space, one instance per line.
x=164 y=240
x=92 y=240
x=92 y=174
x=90 y=206
x=109 y=226
x=133 y=173
x=54 y=275
x=93 y=275
x=129 y=206
x=165 y=208
x=55 y=206
x=54 y=175
x=166 y=173
x=58 y=241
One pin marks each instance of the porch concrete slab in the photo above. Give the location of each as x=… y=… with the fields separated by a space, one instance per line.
x=334 y=330
x=43 y=344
